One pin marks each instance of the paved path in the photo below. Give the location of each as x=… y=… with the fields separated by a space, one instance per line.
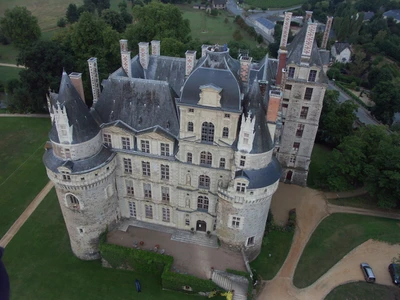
x=312 y=208
x=26 y=115
x=12 y=66
x=25 y=215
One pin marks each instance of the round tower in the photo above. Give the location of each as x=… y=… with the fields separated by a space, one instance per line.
x=244 y=204
x=82 y=170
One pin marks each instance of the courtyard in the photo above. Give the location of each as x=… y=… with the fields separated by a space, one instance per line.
x=189 y=258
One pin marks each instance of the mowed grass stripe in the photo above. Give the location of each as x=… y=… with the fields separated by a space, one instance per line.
x=335 y=237
x=21 y=158
x=41 y=266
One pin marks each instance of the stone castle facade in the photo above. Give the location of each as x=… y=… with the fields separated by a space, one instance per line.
x=185 y=143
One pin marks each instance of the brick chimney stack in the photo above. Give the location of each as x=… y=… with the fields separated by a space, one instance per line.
x=125 y=57
x=94 y=78
x=308 y=42
x=328 y=27
x=190 y=61
x=155 y=48
x=245 y=63
x=144 y=54
x=76 y=79
x=282 y=53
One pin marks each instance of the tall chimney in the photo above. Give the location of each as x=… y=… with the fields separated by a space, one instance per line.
x=282 y=53
x=155 y=48
x=76 y=79
x=308 y=42
x=94 y=78
x=285 y=30
x=123 y=45
x=263 y=83
x=326 y=32
x=190 y=61
x=308 y=15
x=144 y=54
x=245 y=62
x=274 y=103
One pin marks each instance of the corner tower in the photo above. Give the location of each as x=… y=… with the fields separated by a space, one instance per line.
x=244 y=204
x=82 y=170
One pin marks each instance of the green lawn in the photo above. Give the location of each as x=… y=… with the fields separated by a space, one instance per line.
x=318 y=159
x=278 y=246
x=364 y=291
x=22 y=173
x=262 y=4
x=41 y=266
x=336 y=236
x=7 y=73
x=8 y=54
x=213 y=29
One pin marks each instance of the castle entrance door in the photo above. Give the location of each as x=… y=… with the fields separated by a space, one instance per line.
x=201 y=226
x=289 y=176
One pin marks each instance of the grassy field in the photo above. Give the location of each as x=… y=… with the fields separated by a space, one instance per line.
x=213 y=29
x=8 y=54
x=364 y=291
x=42 y=266
x=22 y=174
x=318 y=159
x=7 y=73
x=331 y=242
x=262 y=4
x=273 y=254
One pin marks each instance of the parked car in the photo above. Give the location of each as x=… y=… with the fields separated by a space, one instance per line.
x=394 y=270
x=367 y=272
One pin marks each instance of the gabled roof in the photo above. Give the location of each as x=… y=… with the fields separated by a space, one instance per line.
x=84 y=127
x=266 y=23
x=394 y=13
x=140 y=104
x=341 y=46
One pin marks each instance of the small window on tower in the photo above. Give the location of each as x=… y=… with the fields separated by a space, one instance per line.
x=303 y=112
x=291 y=72
x=288 y=87
x=227 y=116
x=191 y=110
x=242 y=160
x=225 y=132
x=296 y=147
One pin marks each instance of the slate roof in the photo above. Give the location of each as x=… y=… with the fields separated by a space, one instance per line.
x=341 y=46
x=217 y=68
x=295 y=48
x=262 y=177
x=254 y=108
x=266 y=23
x=368 y=15
x=394 y=13
x=52 y=162
x=84 y=127
x=325 y=56
x=139 y=103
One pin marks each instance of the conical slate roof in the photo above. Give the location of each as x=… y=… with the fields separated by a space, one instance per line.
x=254 y=107
x=84 y=127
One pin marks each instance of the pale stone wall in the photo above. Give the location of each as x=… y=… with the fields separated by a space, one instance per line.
x=98 y=208
x=78 y=151
x=254 y=161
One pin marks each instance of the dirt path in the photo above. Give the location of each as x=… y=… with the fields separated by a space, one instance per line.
x=11 y=65
x=348 y=194
x=312 y=208
x=25 y=215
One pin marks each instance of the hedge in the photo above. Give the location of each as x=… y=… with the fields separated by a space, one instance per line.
x=148 y=261
x=354 y=97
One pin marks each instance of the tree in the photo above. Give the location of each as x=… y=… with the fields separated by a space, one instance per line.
x=45 y=61
x=260 y=39
x=101 y=5
x=172 y=47
x=386 y=96
x=157 y=21
x=377 y=75
x=114 y=19
x=336 y=121
x=72 y=13
x=61 y=22
x=20 y=26
x=237 y=36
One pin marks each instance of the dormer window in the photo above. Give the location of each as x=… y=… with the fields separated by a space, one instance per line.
x=107 y=140
x=126 y=143
x=246 y=138
x=240 y=187
x=312 y=75
x=145 y=145
x=242 y=160
x=164 y=149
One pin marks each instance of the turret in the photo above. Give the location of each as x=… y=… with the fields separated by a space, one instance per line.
x=82 y=170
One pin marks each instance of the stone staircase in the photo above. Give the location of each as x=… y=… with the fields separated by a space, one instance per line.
x=198 y=238
x=183 y=236
x=227 y=281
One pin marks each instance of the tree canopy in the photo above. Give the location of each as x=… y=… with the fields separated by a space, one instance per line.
x=20 y=26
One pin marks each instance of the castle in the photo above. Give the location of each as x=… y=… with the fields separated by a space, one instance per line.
x=191 y=144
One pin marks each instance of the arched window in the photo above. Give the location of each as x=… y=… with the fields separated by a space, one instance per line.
x=202 y=202
x=190 y=126
x=205 y=158
x=189 y=157
x=225 y=132
x=207 y=132
x=204 y=182
x=73 y=202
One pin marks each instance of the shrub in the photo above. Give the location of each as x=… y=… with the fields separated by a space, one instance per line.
x=61 y=22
